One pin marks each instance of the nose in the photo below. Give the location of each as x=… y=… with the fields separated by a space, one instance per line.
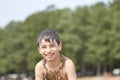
x=48 y=51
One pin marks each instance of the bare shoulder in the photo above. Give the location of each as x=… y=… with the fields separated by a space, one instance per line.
x=69 y=62
x=39 y=65
x=39 y=68
x=70 y=69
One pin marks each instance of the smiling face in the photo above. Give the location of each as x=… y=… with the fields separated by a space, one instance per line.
x=49 y=50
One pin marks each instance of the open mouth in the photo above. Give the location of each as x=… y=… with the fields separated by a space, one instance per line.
x=49 y=56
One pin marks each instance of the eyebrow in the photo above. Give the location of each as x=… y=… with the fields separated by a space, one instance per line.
x=51 y=42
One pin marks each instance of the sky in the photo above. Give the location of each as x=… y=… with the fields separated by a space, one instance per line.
x=19 y=10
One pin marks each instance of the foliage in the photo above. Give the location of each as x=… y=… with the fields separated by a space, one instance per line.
x=90 y=37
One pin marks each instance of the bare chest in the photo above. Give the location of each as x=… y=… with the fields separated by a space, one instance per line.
x=56 y=75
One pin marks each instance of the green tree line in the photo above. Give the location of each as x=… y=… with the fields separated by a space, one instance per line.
x=90 y=36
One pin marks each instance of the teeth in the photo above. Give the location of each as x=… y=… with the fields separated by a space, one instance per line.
x=49 y=55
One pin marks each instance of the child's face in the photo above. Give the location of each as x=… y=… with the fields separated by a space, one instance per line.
x=49 y=50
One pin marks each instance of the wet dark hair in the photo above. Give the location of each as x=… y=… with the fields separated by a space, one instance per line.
x=48 y=35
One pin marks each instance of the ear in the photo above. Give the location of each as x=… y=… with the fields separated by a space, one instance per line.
x=39 y=49
x=60 y=46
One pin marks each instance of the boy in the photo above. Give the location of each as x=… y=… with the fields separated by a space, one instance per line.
x=53 y=66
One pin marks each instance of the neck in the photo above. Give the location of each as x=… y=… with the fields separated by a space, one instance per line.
x=53 y=64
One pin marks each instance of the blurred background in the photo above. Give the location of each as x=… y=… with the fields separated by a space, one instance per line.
x=89 y=30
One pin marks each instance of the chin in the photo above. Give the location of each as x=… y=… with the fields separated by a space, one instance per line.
x=50 y=59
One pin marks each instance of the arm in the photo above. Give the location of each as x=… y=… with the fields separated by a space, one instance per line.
x=70 y=69
x=39 y=71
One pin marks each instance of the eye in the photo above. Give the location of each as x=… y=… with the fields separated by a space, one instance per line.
x=43 y=47
x=53 y=45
